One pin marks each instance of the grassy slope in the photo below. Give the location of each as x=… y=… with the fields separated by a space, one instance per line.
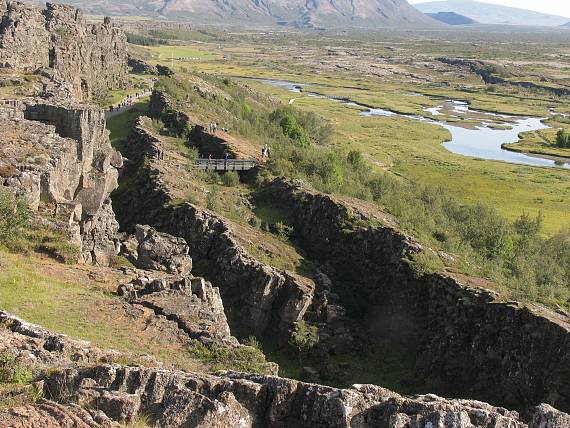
x=120 y=126
x=77 y=301
x=414 y=149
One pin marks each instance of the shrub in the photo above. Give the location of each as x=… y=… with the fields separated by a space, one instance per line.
x=305 y=336
x=244 y=358
x=230 y=179
x=12 y=372
x=14 y=217
x=293 y=130
x=356 y=159
x=212 y=200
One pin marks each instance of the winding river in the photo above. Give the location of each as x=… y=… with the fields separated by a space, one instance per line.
x=482 y=139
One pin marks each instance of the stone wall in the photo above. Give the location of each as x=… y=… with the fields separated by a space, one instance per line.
x=91 y=58
x=467 y=343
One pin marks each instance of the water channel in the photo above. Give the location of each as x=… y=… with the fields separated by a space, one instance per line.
x=481 y=135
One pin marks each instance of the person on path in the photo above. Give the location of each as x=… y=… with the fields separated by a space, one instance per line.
x=226 y=157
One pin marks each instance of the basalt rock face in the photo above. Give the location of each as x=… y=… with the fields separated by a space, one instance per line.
x=192 y=303
x=55 y=150
x=58 y=157
x=237 y=399
x=465 y=339
x=89 y=57
x=259 y=299
x=83 y=388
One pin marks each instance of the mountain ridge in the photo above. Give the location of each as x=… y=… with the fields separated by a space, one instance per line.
x=297 y=13
x=451 y=18
x=487 y=13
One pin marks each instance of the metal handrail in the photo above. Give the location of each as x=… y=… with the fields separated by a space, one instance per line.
x=225 y=165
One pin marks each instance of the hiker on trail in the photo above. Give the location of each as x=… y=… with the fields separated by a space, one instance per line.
x=265 y=151
x=226 y=157
x=214 y=127
x=210 y=157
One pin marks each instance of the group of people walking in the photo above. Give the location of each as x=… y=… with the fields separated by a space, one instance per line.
x=128 y=101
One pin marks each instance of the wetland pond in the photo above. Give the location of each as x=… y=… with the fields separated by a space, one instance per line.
x=473 y=133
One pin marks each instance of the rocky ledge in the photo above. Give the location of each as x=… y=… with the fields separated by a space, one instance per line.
x=81 y=391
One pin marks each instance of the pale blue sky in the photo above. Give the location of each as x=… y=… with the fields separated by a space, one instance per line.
x=554 y=7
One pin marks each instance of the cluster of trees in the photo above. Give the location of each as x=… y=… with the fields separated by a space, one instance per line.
x=563 y=139
x=138 y=39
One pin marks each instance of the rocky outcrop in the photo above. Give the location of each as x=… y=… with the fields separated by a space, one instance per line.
x=84 y=388
x=59 y=156
x=160 y=251
x=192 y=303
x=40 y=349
x=467 y=342
x=139 y=66
x=493 y=75
x=91 y=58
x=259 y=299
x=237 y=399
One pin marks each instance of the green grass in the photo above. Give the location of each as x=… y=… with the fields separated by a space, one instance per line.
x=121 y=125
x=166 y=52
x=82 y=311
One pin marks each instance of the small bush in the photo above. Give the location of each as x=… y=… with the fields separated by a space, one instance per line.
x=245 y=358
x=425 y=263
x=14 y=217
x=305 y=336
x=212 y=202
x=12 y=372
x=230 y=179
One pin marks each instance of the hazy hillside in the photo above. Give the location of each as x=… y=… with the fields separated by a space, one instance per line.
x=300 y=13
x=451 y=18
x=486 y=13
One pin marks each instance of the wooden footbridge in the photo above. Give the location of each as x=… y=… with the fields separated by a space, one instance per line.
x=225 y=165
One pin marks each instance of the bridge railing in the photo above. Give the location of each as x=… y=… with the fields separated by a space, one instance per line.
x=224 y=165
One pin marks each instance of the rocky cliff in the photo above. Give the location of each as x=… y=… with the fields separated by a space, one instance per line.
x=90 y=58
x=55 y=149
x=58 y=157
x=106 y=395
x=259 y=298
x=467 y=342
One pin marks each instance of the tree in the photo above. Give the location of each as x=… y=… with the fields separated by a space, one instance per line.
x=563 y=139
x=293 y=130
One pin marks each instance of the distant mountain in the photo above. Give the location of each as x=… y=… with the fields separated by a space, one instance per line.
x=567 y=25
x=486 y=13
x=451 y=18
x=299 y=13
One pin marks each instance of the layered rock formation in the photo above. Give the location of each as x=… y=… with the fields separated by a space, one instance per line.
x=466 y=340
x=55 y=150
x=258 y=298
x=106 y=395
x=90 y=58
x=58 y=156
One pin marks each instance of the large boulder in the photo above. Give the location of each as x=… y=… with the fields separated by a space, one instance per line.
x=163 y=252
